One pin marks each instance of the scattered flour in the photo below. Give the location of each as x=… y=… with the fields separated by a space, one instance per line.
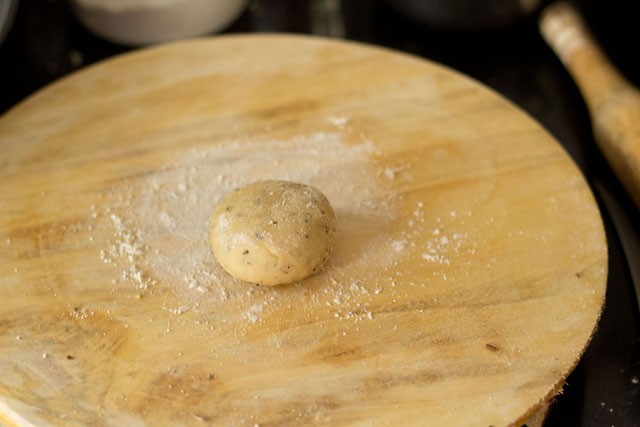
x=128 y=245
x=254 y=312
x=399 y=245
x=161 y=227
x=338 y=121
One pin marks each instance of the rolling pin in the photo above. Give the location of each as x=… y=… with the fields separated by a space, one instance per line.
x=613 y=102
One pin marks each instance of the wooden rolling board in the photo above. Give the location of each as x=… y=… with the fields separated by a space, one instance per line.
x=468 y=275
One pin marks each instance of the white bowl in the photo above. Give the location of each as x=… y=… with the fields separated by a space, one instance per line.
x=7 y=13
x=144 y=22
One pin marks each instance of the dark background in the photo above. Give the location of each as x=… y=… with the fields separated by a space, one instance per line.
x=46 y=43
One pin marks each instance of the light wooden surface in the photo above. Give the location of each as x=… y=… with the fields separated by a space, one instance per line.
x=613 y=102
x=468 y=276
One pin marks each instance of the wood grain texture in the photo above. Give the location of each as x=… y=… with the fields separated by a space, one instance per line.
x=468 y=276
x=613 y=102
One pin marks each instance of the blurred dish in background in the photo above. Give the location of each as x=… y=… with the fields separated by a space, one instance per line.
x=7 y=13
x=466 y=14
x=144 y=22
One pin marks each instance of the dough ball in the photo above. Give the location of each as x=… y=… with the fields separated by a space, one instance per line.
x=273 y=232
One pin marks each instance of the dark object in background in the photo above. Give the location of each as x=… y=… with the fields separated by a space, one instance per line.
x=466 y=14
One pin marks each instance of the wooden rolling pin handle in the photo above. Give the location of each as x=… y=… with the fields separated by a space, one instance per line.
x=613 y=102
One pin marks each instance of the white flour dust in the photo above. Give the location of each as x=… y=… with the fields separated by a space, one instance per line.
x=161 y=226
x=162 y=234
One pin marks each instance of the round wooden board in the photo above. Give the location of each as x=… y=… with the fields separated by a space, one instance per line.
x=468 y=275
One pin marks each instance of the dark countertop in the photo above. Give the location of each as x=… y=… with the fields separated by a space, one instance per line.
x=46 y=43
